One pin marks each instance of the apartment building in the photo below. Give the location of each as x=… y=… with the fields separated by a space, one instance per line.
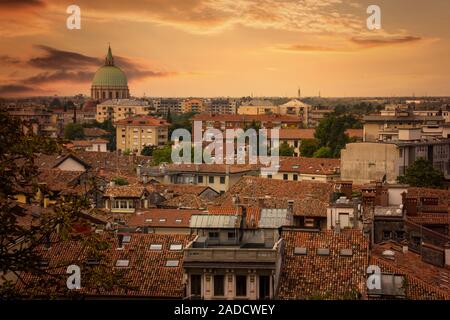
x=230 y=121
x=163 y=105
x=257 y=107
x=236 y=255
x=369 y=161
x=386 y=125
x=134 y=133
x=119 y=109
x=193 y=105
x=222 y=106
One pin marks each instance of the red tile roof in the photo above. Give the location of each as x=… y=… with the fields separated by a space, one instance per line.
x=173 y=218
x=355 y=133
x=424 y=281
x=147 y=274
x=316 y=166
x=296 y=134
x=310 y=198
x=333 y=276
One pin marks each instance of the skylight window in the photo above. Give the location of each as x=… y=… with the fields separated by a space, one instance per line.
x=300 y=251
x=178 y=221
x=122 y=263
x=162 y=220
x=156 y=246
x=126 y=239
x=346 y=252
x=176 y=247
x=323 y=252
x=172 y=263
x=149 y=220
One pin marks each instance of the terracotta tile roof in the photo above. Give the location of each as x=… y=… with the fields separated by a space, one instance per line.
x=355 y=133
x=58 y=180
x=318 y=166
x=143 y=121
x=442 y=195
x=310 y=198
x=246 y=118
x=147 y=272
x=100 y=162
x=173 y=218
x=253 y=214
x=186 y=201
x=211 y=168
x=94 y=132
x=424 y=281
x=177 y=189
x=126 y=191
x=430 y=218
x=332 y=276
x=296 y=134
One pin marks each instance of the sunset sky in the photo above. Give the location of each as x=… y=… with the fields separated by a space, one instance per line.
x=228 y=47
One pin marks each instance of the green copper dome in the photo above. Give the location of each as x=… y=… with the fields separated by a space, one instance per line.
x=109 y=74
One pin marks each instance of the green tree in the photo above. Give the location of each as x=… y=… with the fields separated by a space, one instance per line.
x=286 y=150
x=73 y=131
x=323 y=152
x=148 y=150
x=120 y=181
x=308 y=147
x=422 y=174
x=331 y=132
x=127 y=152
x=161 y=155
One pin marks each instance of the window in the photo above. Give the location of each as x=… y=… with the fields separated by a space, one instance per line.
x=219 y=285
x=211 y=179
x=178 y=220
x=309 y=222
x=300 y=251
x=200 y=179
x=241 y=286
x=222 y=180
x=387 y=235
x=172 y=263
x=269 y=176
x=155 y=246
x=122 y=263
x=126 y=239
x=231 y=235
x=285 y=176
x=149 y=220
x=400 y=234
x=162 y=220
x=196 y=285
x=264 y=287
x=176 y=247
x=214 y=235
x=295 y=177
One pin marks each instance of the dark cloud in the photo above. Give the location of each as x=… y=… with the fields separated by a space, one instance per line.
x=55 y=59
x=15 y=89
x=385 y=41
x=57 y=76
x=8 y=60
x=21 y=4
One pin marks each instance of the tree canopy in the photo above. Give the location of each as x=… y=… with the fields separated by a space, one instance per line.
x=73 y=131
x=422 y=174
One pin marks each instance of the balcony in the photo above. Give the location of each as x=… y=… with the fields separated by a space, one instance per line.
x=236 y=254
x=231 y=254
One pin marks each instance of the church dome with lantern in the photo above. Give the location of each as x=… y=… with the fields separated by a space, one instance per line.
x=109 y=82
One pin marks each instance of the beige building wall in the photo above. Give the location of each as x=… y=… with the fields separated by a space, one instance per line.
x=257 y=110
x=119 y=112
x=135 y=138
x=366 y=161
